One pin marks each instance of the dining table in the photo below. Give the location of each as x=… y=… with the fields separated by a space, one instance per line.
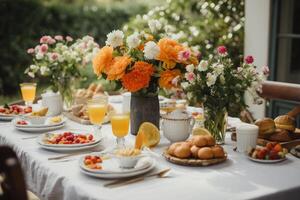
x=236 y=178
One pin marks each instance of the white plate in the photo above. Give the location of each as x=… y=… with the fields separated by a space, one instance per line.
x=40 y=129
x=47 y=123
x=119 y=175
x=40 y=140
x=7 y=117
x=68 y=149
x=266 y=161
x=111 y=165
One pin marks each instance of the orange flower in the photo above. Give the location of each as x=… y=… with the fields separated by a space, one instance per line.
x=169 y=50
x=117 y=67
x=139 y=77
x=144 y=67
x=166 y=77
x=102 y=59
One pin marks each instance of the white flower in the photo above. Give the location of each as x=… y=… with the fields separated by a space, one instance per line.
x=190 y=68
x=39 y=56
x=151 y=50
x=219 y=69
x=154 y=25
x=184 y=85
x=211 y=79
x=44 y=70
x=190 y=76
x=203 y=65
x=133 y=40
x=31 y=74
x=34 y=68
x=115 y=38
x=189 y=95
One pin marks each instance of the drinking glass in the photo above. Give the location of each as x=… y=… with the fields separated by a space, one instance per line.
x=120 y=127
x=28 y=91
x=97 y=108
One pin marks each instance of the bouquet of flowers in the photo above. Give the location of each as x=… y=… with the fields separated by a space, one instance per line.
x=61 y=59
x=219 y=85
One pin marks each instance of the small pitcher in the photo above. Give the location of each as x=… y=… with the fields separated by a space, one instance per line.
x=177 y=126
x=54 y=103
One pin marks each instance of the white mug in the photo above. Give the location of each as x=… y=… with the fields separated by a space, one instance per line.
x=246 y=137
x=54 y=103
x=176 y=130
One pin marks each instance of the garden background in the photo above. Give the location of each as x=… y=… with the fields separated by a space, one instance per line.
x=205 y=24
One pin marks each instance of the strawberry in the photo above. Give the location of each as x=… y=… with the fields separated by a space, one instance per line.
x=262 y=153
x=270 y=146
x=277 y=148
x=274 y=155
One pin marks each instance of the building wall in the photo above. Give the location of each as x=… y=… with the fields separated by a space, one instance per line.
x=257 y=29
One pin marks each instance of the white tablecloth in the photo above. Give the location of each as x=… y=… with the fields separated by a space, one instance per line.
x=237 y=178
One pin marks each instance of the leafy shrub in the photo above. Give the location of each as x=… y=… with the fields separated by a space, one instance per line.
x=23 y=22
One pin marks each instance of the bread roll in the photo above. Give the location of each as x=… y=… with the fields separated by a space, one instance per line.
x=183 y=151
x=205 y=153
x=210 y=140
x=194 y=150
x=172 y=148
x=199 y=140
x=218 y=151
x=285 y=122
x=280 y=135
x=266 y=126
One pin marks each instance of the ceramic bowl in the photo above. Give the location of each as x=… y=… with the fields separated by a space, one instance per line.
x=36 y=120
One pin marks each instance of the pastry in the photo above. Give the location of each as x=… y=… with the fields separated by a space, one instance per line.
x=205 y=153
x=92 y=87
x=266 y=126
x=280 y=135
x=285 y=122
x=182 y=151
x=218 y=151
x=199 y=140
x=210 y=140
x=194 y=150
x=172 y=148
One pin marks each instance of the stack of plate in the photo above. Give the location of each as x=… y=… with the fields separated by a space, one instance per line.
x=110 y=168
x=4 y=117
x=37 y=128
x=64 y=148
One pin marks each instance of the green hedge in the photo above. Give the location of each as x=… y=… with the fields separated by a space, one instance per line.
x=23 y=22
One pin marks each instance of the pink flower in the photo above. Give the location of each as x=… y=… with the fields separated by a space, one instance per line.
x=69 y=39
x=249 y=59
x=190 y=76
x=30 y=51
x=222 y=50
x=54 y=56
x=44 y=48
x=175 y=80
x=266 y=70
x=51 y=41
x=184 y=55
x=44 y=39
x=58 y=37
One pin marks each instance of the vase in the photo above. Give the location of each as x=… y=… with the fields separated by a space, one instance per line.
x=143 y=109
x=215 y=120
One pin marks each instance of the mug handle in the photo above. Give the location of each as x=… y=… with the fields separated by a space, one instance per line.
x=192 y=123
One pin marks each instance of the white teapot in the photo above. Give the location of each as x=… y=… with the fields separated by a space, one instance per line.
x=177 y=125
x=54 y=103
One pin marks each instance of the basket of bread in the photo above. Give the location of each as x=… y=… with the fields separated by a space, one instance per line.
x=78 y=111
x=200 y=150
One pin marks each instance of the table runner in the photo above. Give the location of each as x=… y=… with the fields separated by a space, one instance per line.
x=237 y=178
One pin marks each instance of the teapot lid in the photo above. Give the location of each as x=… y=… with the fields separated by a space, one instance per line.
x=177 y=114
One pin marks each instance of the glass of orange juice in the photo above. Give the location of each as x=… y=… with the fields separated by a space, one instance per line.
x=97 y=108
x=120 y=127
x=28 y=91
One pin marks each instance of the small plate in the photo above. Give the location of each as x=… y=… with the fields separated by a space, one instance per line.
x=46 y=124
x=7 y=117
x=119 y=175
x=40 y=129
x=266 y=161
x=68 y=149
x=41 y=138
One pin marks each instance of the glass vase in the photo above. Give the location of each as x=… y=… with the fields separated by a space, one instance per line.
x=216 y=122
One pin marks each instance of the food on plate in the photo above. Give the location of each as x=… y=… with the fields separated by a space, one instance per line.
x=56 y=119
x=266 y=126
x=272 y=151
x=149 y=134
x=22 y=122
x=15 y=110
x=280 y=135
x=82 y=95
x=285 y=122
x=200 y=131
x=199 y=147
x=128 y=152
x=40 y=113
x=93 y=162
x=69 y=138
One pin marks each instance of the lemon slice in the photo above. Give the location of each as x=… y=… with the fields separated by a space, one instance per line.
x=149 y=135
x=200 y=131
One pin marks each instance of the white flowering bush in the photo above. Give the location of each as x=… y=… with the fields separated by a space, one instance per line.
x=61 y=59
